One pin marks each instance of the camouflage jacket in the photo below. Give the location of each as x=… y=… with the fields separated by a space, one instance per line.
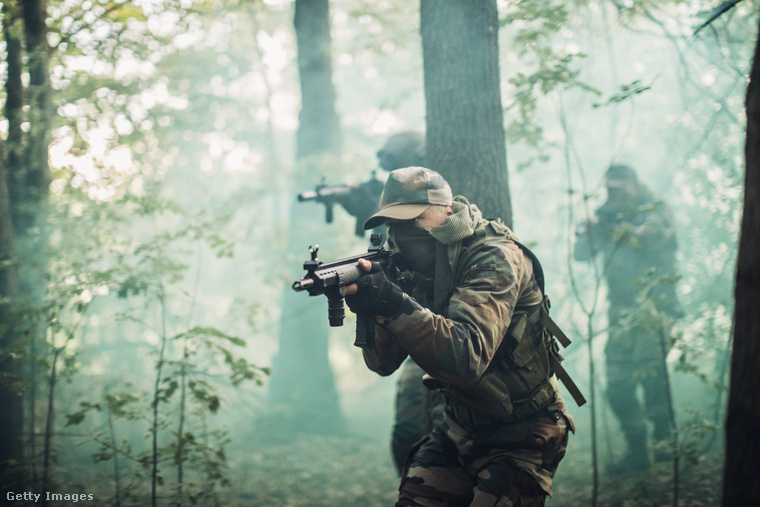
x=478 y=285
x=476 y=292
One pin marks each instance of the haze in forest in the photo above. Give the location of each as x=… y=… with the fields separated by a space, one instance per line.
x=157 y=272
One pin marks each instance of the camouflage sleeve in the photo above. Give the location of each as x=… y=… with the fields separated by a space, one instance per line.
x=386 y=355
x=459 y=348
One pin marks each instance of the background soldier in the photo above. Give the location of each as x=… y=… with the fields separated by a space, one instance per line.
x=403 y=149
x=635 y=233
x=476 y=326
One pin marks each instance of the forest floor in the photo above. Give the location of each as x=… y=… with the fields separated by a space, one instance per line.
x=333 y=471
x=356 y=470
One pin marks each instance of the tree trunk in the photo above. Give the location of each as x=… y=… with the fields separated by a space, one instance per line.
x=37 y=174
x=465 y=122
x=11 y=403
x=319 y=126
x=302 y=384
x=12 y=30
x=11 y=406
x=25 y=181
x=740 y=484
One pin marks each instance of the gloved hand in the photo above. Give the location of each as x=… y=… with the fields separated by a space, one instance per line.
x=375 y=295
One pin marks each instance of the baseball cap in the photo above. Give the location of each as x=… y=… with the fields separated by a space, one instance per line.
x=408 y=192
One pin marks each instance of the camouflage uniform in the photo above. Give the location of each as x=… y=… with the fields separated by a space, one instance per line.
x=486 y=451
x=637 y=239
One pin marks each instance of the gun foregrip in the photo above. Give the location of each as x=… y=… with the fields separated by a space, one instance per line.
x=335 y=310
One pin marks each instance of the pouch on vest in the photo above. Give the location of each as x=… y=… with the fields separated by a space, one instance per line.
x=516 y=383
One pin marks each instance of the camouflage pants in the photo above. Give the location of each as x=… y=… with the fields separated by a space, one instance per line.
x=502 y=466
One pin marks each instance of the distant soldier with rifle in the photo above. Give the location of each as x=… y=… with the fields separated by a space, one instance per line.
x=362 y=200
x=359 y=200
x=417 y=409
x=635 y=234
x=476 y=320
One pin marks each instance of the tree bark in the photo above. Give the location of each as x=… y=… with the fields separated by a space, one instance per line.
x=740 y=484
x=37 y=174
x=465 y=121
x=25 y=181
x=11 y=402
x=319 y=126
x=14 y=90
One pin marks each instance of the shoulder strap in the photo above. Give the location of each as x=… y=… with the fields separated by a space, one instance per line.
x=538 y=271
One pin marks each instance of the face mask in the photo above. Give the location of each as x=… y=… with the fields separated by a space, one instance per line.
x=415 y=245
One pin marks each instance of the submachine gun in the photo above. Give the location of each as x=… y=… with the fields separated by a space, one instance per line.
x=331 y=279
x=360 y=200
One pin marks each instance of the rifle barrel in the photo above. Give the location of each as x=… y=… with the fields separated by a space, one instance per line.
x=303 y=284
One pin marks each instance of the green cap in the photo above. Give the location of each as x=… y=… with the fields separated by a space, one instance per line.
x=408 y=193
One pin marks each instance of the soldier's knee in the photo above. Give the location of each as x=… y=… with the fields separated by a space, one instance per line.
x=503 y=484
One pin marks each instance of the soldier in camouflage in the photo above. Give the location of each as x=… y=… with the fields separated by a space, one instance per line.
x=635 y=234
x=474 y=323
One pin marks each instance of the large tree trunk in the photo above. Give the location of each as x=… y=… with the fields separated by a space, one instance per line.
x=740 y=484
x=302 y=385
x=26 y=177
x=11 y=407
x=465 y=121
x=319 y=126
x=11 y=402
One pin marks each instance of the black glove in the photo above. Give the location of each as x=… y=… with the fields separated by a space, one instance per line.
x=376 y=295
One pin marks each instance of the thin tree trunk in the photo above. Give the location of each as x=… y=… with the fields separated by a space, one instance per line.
x=115 y=448
x=592 y=407
x=156 y=402
x=49 y=425
x=672 y=418
x=181 y=427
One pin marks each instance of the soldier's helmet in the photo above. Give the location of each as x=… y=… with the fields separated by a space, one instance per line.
x=403 y=149
x=620 y=175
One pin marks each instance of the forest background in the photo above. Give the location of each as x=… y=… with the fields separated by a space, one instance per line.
x=156 y=232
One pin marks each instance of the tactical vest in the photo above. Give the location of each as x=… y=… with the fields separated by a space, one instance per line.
x=519 y=381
